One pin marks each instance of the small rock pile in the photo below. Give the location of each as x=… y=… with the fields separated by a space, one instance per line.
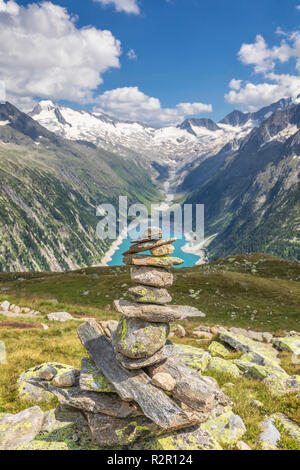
x=11 y=310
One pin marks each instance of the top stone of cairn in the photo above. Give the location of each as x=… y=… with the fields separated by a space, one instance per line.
x=151 y=233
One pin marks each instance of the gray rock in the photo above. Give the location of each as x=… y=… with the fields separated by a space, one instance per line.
x=150 y=295
x=59 y=316
x=4 y=306
x=2 y=353
x=137 y=338
x=134 y=364
x=289 y=426
x=289 y=343
x=144 y=260
x=148 y=245
x=270 y=435
x=164 y=250
x=155 y=277
x=227 y=428
x=20 y=429
x=47 y=373
x=91 y=379
x=61 y=417
x=164 y=381
x=66 y=379
x=156 y=313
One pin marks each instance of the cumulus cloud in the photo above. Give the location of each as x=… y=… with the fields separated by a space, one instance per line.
x=132 y=104
x=131 y=54
x=265 y=59
x=44 y=54
x=129 y=6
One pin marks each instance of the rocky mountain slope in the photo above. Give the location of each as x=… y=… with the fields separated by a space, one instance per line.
x=252 y=197
x=50 y=188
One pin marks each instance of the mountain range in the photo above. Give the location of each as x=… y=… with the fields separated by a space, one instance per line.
x=57 y=164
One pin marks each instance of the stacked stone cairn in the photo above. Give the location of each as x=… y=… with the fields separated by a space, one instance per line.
x=133 y=385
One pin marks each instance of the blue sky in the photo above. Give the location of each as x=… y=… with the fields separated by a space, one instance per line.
x=184 y=54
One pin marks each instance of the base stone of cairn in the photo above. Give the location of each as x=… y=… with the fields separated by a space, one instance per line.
x=133 y=385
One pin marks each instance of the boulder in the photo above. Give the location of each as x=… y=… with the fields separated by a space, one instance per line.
x=257 y=336
x=164 y=380
x=225 y=366
x=155 y=277
x=91 y=379
x=112 y=433
x=258 y=372
x=227 y=428
x=278 y=385
x=21 y=428
x=289 y=426
x=263 y=352
x=59 y=316
x=195 y=358
x=150 y=295
x=289 y=343
x=137 y=338
x=2 y=353
x=219 y=350
x=270 y=436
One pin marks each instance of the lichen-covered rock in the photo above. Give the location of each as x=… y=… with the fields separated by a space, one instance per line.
x=270 y=435
x=225 y=366
x=27 y=391
x=289 y=343
x=280 y=386
x=259 y=372
x=69 y=437
x=188 y=439
x=150 y=295
x=137 y=338
x=196 y=358
x=219 y=350
x=155 y=277
x=227 y=428
x=91 y=378
x=61 y=417
x=59 y=316
x=2 y=353
x=108 y=432
x=21 y=428
x=241 y=343
x=289 y=426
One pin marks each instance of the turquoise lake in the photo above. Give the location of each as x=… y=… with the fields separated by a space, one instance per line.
x=189 y=259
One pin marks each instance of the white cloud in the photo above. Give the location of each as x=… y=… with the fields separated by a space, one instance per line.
x=298 y=7
x=132 y=104
x=129 y=6
x=131 y=54
x=265 y=59
x=235 y=84
x=44 y=54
